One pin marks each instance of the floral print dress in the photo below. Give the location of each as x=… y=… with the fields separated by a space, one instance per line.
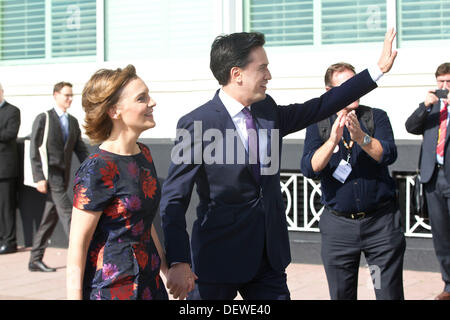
x=122 y=260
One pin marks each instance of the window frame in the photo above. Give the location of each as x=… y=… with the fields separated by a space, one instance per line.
x=392 y=20
x=48 y=59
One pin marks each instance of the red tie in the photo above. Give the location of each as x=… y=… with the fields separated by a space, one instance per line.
x=442 y=130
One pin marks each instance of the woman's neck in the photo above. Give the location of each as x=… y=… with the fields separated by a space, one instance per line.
x=123 y=143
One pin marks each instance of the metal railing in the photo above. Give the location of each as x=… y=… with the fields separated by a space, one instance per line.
x=303 y=208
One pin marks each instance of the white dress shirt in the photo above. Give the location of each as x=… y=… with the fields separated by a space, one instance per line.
x=234 y=109
x=61 y=113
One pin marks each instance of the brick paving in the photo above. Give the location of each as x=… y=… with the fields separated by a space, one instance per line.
x=305 y=281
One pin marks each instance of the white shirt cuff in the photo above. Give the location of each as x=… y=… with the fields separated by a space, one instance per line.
x=375 y=72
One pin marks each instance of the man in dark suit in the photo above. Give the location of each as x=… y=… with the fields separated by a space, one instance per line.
x=239 y=241
x=9 y=127
x=430 y=119
x=64 y=137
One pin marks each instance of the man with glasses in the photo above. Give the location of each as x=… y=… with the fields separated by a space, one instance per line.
x=64 y=137
x=430 y=119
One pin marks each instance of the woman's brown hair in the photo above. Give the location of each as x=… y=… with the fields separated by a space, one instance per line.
x=100 y=94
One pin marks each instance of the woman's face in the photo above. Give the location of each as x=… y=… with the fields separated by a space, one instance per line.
x=135 y=107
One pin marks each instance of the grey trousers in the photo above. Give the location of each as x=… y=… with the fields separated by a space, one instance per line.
x=379 y=237
x=57 y=206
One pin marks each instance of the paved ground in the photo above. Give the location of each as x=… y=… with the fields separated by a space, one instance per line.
x=305 y=281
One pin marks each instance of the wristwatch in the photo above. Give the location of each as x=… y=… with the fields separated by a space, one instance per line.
x=366 y=140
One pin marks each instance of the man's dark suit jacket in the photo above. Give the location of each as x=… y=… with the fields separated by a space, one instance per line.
x=59 y=154
x=426 y=123
x=237 y=217
x=9 y=127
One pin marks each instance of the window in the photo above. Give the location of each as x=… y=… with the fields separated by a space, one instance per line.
x=25 y=35
x=283 y=22
x=353 y=21
x=423 y=20
x=22 y=33
x=308 y=22
x=73 y=28
x=159 y=28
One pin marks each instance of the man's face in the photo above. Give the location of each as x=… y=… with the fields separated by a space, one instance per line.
x=1 y=95
x=64 y=98
x=339 y=78
x=255 y=76
x=443 y=81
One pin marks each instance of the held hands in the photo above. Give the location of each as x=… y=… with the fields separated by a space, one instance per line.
x=42 y=186
x=352 y=124
x=180 y=280
x=387 y=55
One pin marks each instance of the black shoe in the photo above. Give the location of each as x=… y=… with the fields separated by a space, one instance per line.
x=8 y=249
x=40 y=266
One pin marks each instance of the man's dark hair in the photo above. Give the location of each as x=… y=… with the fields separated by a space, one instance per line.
x=443 y=69
x=60 y=85
x=232 y=50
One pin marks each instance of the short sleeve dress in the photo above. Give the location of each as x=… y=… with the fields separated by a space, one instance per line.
x=122 y=261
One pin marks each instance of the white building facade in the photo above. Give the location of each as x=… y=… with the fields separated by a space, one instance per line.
x=46 y=41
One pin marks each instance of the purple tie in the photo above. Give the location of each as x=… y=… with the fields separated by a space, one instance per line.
x=252 y=142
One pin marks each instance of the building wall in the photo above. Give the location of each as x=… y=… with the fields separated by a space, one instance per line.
x=168 y=41
x=179 y=86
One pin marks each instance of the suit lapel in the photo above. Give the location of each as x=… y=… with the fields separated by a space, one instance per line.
x=58 y=135
x=71 y=134
x=447 y=135
x=228 y=123
x=265 y=128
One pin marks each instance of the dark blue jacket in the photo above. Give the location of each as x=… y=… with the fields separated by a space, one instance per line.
x=238 y=217
x=369 y=183
x=426 y=123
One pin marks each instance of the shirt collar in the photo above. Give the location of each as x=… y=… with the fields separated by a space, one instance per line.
x=59 y=112
x=2 y=103
x=232 y=105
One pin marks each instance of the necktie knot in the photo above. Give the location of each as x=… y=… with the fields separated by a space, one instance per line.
x=247 y=112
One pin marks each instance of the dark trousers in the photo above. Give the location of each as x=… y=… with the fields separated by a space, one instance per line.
x=438 y=200
x=268 y=284
x=379 y=237
x=57 y=205
x=8 y=212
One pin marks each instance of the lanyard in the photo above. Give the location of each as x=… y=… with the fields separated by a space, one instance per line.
x=349 y=147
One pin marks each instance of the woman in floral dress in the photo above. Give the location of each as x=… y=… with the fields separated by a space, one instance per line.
x=114 y=251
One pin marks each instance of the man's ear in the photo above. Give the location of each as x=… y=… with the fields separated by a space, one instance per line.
x=236 y=74
x=114 y=113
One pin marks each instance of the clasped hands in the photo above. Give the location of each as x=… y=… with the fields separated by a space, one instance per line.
x=349 y=120
x=180 y=280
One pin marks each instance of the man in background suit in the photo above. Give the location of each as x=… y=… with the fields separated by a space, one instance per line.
x=64 y=137
x=240 y=240
x=9 y=127
x=430 y=119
